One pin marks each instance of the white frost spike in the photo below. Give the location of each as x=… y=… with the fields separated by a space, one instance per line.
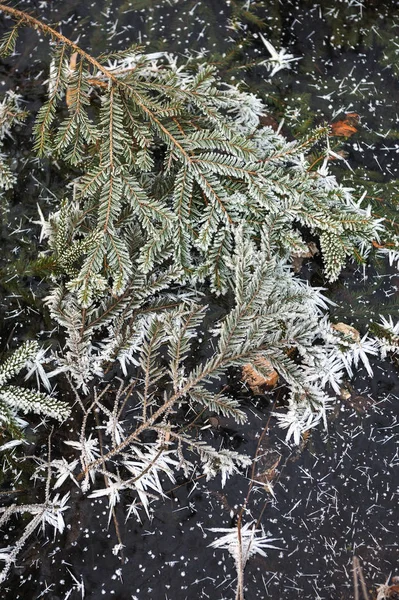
x=47 y=228
x=298 y=419
x=35 y=366
x=245 y=109
x=10 y=113
x=12 y=444
x=89 y=453
x=390 y=343
x=278 y=60
x=358 y=351
x=112 y=490
x=242 y=543
x=53 y=512
x=52 y=79
x=78 y=586
x=253 y=541
x=5 y=553
x=65 y=470
x=145 y=468
x=225 y=462
x=389 y=325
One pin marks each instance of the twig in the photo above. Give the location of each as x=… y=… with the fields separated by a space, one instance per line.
x=24 y=17
x=209 y=368
x=358 y=576
x=106 y=480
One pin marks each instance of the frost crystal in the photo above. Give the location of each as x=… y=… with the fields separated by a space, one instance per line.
x=278 y=60
x=244 y=543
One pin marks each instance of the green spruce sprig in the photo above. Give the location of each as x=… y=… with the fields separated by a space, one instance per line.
x=15 y=399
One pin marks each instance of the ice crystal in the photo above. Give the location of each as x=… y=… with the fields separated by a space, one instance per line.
x=243 y=543
x=279 y=59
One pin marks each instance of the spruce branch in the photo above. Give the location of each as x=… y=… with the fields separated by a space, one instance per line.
x=14 y=398
x=25 y=18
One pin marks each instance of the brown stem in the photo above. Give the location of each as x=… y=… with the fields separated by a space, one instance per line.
x=133 y=436
x=162 y=409
x=106 y=480
x=24 y=17
x=252 y=480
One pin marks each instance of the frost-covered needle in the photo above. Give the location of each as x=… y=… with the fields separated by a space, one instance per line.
x=278 y=59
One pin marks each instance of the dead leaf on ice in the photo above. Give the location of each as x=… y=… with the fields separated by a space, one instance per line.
x=266 y=468
x=346 y=126
x=298 y=257
x=347 y=330
x=388 y=591
x=255 y=380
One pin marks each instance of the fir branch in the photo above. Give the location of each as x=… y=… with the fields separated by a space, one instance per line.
x=47 y=112
x=25 y=18
x=9 y=40
x=14 y=398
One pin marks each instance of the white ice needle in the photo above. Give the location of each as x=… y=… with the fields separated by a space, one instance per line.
x=278 y=59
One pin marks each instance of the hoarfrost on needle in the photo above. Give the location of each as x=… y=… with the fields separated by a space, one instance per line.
x=278 y=60
x=253 y=541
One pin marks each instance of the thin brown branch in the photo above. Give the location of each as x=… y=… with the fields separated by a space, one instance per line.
x=162 y=409
x=28 y=19
x=358 y=576
x=106 y=481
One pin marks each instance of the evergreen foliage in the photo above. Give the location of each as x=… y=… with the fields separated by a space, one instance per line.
x=171 y=157
x=174 y=155
x=11 y=113
x=177 y=176
x=15 y=399
x=179 y=191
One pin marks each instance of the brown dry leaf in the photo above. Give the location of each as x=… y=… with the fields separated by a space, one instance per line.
x=361 y=404
x=70 y=91
x=342 y=129
x=352 y=118
x=266 y=470
x=214 y=422
x=305 y=438
x=347 y=330
x=256 y=381
x=297 y=263
x=268 y=121
x=388 y=591
x=344 y=394
x=267 y=462
x=377 y=245
x=298 y=257
x=346 y=126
